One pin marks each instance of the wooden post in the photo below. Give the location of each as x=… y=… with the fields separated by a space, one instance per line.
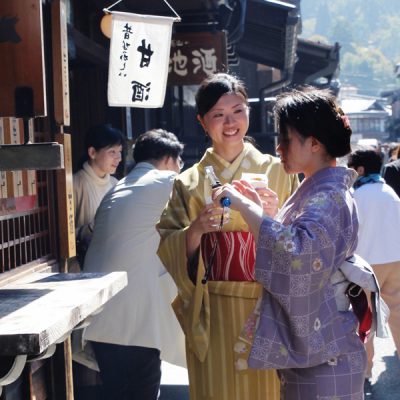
x=65 y=196
x=60 y=62
x=69 y=382
x=66 y=208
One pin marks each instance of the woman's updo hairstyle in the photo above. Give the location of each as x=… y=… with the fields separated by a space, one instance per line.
x=314 y=112
x=213 y=87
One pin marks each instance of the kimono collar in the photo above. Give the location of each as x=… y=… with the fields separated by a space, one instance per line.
x=225 y=170
x=336 y=175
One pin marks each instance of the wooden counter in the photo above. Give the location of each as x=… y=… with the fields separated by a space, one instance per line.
x=42 y=308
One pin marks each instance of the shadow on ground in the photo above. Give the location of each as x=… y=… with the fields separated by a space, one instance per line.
x=387 y=386
x=174 y=392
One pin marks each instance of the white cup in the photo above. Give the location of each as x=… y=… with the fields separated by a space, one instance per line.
x=256 y=180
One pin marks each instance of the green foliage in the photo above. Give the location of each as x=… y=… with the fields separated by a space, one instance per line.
x=368 y=33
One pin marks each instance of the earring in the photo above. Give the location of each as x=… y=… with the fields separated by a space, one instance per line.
x=207 y=138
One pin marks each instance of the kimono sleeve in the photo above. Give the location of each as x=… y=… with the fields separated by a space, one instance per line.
x=192 y=305
x=172 y=228
x=297 y=258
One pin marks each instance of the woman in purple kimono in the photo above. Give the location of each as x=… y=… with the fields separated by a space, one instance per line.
x=299 y=330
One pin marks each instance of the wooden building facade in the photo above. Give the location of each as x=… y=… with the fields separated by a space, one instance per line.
x=53 y=87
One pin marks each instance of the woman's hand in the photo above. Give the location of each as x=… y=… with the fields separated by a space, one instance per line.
x=236 y=192
x=269 y=201
x=245 y=199
x=247 y=190
x=263 y=196
x=209 y=220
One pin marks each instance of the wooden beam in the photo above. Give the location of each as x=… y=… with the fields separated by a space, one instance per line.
x=88 y=49
x=35 y=156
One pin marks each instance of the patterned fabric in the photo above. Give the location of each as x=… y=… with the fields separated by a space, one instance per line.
x=340 y=378
x=212 y=315
x=234 y=258
x=315 y=231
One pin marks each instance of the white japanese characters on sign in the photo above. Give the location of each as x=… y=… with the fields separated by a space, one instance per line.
x=195 y=55
x=204 y=60
x=139 y=59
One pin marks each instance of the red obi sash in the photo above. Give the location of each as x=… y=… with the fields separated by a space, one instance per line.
x=234 y=258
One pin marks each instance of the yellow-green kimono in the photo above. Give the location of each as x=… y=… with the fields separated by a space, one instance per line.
x=213 y=315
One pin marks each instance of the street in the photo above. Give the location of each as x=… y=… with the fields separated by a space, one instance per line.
x=385 y=382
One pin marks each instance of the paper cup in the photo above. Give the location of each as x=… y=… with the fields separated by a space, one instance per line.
x=256 y=180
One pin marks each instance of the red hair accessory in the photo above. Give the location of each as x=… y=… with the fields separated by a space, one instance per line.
x=346 y=121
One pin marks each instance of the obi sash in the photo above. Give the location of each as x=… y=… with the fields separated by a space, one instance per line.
x=234 y=257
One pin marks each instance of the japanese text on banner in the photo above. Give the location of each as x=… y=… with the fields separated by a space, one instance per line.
x=139 y=60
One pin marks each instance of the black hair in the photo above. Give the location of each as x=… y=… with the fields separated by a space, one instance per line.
x=156 y=144
x=100 y=137
x=314 y=112
x=103 y=136
x=368 y=158
x=213 y=87
x=251 y=140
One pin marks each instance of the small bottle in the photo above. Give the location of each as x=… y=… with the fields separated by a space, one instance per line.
x=225 y=201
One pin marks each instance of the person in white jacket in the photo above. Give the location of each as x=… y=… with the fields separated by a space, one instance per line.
x=137 y=328
x=378 y=237
x=104 y=145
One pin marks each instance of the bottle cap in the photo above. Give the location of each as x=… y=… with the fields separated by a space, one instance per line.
x=225 y=202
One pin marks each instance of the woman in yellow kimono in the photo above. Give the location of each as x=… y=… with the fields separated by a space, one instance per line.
x=213 y=313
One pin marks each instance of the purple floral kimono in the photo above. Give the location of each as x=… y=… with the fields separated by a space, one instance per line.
x=301 y=333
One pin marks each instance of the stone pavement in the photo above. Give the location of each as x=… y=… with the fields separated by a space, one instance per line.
x=385 y=382
x=384 y=385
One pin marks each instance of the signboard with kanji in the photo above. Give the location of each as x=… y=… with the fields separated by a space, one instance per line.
x=139 y=52
x=195 y=55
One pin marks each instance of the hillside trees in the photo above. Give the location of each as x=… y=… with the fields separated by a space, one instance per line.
x=368 y=34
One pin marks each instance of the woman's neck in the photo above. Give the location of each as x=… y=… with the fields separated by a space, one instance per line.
x=99 y=172
x=229 y=154
x=318 y=166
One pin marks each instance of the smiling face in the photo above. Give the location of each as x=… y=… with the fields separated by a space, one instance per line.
x=227 y=123
x=105 y=160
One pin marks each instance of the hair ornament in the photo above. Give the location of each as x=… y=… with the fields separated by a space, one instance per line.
x=346 y=121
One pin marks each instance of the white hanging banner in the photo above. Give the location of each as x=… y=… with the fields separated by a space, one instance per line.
x=139 y=59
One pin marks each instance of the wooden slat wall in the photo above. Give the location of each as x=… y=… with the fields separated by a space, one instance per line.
x=24 y=219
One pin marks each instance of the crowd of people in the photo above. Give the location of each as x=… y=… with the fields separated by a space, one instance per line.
x=234 y=280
